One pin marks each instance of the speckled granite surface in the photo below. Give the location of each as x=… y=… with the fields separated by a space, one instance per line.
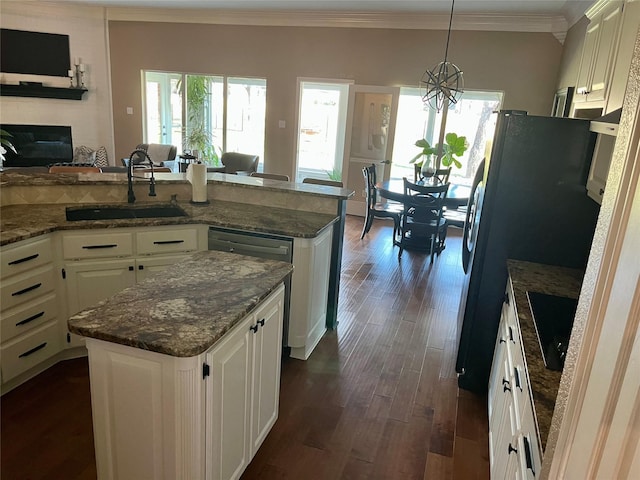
x=186 y=309
x=564 y=282
x=19 y=222
x=9 y=177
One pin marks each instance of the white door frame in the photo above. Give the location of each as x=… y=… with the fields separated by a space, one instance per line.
x=299 y=81
x=595 y=431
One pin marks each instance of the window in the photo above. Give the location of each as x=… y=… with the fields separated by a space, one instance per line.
x=193 y=113
x=470 y=117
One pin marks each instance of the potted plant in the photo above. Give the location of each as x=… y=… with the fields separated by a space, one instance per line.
x=454 y=146
x=197 y=136
x=4 y=145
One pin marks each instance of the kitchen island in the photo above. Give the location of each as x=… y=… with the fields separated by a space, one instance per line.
x=185 y=368
x=78 y=272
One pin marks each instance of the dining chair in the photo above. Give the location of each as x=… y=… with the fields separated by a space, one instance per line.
x=319 y=181
x=422 y=225
x=271 y=176
x=376 y=209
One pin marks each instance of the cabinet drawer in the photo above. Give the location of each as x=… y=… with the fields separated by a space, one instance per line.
x=27 y=255
x=166 y=241
x=97 y=245
x=27 y=317
x=27 y=287
x=25 y=352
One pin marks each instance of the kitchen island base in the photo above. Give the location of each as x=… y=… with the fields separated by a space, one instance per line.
x=159 y=416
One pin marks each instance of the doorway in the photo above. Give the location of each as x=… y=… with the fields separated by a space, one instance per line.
x=322 y=120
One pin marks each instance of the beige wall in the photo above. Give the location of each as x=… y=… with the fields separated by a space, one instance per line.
x=523 y=65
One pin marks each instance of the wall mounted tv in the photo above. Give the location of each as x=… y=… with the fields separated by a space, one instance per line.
x=38 y=145
x=34 y=53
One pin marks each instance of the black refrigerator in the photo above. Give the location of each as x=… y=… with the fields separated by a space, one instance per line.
x=529 y=203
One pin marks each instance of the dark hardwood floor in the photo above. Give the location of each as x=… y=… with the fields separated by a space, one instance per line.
x=377 y=398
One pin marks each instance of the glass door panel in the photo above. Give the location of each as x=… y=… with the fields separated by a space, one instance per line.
x=163 y=105
x=321 y=130
x=246 y=113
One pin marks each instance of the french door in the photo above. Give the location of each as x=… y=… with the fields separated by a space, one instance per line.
x=322 y=120
x=371 y=124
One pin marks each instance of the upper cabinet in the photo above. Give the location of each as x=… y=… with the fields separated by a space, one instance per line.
x=598 y=53
x=606 y=57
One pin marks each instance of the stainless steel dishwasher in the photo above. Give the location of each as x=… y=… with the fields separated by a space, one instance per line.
x=262 y=245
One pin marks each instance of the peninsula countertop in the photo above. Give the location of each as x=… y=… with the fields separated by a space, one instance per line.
x=552 y=280
x=19 y=222
x=183 y=311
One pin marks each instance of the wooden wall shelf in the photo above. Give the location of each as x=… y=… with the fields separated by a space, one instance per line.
x=41 y=92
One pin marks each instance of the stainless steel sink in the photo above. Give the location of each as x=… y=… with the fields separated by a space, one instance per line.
x=114 y=212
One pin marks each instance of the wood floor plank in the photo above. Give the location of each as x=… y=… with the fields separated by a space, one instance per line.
x=377 y=399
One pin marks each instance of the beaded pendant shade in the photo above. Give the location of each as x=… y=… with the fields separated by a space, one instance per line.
x=444 y=83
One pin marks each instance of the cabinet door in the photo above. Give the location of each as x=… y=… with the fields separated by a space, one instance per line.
x=267 y=353
x=583 y=83
x=148 y=266
x=228 y=404
x=603 y=61
x=90 y=282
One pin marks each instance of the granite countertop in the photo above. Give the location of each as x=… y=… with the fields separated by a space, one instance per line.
x=183 y=311
x=19 y=222
x=552 y=280
x=21 y=178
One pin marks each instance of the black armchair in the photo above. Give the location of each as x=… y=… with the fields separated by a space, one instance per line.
x=234 y=162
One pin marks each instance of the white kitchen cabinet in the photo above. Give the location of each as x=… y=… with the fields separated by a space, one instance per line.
x=157 y=416
x=624 y=52
x=29 y=306
x=598 y=55
x=600 y=162
x=309 y=291
x=513 y=439
x=245 y=390
x=98 y=265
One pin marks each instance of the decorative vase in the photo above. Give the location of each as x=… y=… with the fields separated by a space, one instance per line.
x=427 y=170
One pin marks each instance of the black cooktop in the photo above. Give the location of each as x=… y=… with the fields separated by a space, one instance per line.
x=553 y=318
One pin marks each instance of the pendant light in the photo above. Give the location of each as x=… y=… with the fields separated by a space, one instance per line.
x=442 y=86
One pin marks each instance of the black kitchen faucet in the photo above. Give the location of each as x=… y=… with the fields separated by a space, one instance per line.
x=131 y=198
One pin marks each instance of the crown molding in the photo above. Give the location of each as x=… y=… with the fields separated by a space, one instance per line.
x=413 y=21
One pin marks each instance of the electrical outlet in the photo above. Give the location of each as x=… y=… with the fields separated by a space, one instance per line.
x=364 y=193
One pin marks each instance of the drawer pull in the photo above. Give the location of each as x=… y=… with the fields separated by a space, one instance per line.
x=25 y=259
x=167 y=242
x=96 y=247
x=516 y=374
x=527 y=455
x=26 y=290
x=30 y=319
x=261 y=322
x=33 y=350
x=511 y=450
x=254 y=328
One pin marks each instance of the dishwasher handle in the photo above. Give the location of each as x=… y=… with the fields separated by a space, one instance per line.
x=281 y=251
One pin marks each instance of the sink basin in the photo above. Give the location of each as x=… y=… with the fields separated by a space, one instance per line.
x=114 y=212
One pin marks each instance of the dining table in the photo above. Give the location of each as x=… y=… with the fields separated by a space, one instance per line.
x=457 y=196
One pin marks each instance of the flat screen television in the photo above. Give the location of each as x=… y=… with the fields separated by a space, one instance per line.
x=38 y=145
x=34 y=53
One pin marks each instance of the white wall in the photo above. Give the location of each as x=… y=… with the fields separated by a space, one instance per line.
x=91 y=118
